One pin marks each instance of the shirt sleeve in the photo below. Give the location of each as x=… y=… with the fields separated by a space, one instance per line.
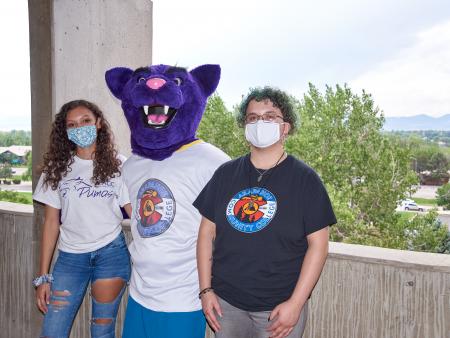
x=123 y=195
x=318 y=210
x=206 y=200
x=46 y=195
x=122 y=159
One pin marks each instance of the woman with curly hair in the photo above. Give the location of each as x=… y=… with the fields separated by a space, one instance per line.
x=83 y=191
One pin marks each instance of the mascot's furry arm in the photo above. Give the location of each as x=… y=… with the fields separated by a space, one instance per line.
x=162 y=104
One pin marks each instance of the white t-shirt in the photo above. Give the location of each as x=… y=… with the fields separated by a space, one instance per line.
x=90 y=215
x=165 y=225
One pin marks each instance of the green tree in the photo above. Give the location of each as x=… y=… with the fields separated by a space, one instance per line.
x=219 y=127
x=28 y=174
x=429 y=157
x=15 y=137
x=415 y=232
x=15 y=197
x=5 y=170
x=439 y=165
x=443 y=196
x=365 y=172
x=6 y=157
x=426 y=154
x=425 y=233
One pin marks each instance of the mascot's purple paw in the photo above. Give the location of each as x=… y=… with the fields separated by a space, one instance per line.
x=163 y=104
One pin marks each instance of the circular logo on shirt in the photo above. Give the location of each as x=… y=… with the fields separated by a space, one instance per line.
x=156 y=208
x=251 y=210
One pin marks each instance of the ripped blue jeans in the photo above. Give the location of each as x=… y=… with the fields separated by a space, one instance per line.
x=72 y=274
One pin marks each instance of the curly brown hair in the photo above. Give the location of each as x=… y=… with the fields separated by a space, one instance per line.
x=279 y=99
x=61 y=151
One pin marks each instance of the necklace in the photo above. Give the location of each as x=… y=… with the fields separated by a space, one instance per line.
x=262 y=173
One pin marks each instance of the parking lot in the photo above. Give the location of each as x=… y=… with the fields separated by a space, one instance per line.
x=426 y=191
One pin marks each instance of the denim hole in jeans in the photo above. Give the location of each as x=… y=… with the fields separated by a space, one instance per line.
x=72 y=274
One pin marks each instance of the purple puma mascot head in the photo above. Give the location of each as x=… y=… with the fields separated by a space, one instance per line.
x=163 y=104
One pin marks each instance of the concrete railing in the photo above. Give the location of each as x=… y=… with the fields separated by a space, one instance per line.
x=363 y=291
x=375 y=292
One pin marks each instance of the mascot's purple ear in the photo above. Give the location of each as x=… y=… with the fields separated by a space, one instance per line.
x=208 y=77
x=116 y=78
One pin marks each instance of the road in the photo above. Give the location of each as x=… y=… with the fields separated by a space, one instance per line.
x=445 y=218
x=429 y=191
x=22 y=187
x=19 y=171
x=443 y=215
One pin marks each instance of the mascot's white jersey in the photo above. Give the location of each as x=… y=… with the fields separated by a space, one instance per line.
x=165 y=225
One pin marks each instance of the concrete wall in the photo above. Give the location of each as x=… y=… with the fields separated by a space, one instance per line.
x=375 y=292
x=363 y=291
x=90 y=37
x=18 y=316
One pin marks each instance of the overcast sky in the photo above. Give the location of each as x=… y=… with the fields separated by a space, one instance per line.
x=397 y=50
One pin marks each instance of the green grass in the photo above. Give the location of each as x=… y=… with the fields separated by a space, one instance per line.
x=425 y=201
x=406 y=214
x=445 y=150
x=16 y=197
x=28 y=196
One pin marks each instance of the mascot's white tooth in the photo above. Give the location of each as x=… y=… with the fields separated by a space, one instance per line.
x=166 y=110
x=146 y=110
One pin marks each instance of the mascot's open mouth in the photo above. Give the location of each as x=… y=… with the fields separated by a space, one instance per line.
x=157 y=116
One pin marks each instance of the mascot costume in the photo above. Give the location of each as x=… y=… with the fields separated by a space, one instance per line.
x=167 y=170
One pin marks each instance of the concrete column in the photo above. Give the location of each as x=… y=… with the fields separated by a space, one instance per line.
x=72 y=44
x=41 y=73
x=90 y=37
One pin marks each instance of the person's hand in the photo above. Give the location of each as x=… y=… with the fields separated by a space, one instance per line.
x=211 y=307
x=43 y=297
x=285 y=316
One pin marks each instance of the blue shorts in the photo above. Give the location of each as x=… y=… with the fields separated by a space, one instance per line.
x=141 y=322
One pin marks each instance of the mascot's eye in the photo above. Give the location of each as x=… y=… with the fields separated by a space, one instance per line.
x=178 y=81
x=142 y=80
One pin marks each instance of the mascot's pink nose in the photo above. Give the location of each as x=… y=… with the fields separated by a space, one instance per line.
x=155 y=83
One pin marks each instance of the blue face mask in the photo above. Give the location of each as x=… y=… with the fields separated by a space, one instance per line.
x=83 y=136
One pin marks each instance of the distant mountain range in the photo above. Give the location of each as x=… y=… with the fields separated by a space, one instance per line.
x=418 y=122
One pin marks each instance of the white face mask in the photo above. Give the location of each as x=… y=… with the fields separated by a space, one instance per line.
x=262 y=134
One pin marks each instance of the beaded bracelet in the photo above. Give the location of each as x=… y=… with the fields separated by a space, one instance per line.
x=205 y=290
x=46 y=278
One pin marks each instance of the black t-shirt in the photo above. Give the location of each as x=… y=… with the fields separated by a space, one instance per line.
x=261 y=231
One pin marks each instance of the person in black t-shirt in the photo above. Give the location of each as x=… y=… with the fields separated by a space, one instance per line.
x=266 y=215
